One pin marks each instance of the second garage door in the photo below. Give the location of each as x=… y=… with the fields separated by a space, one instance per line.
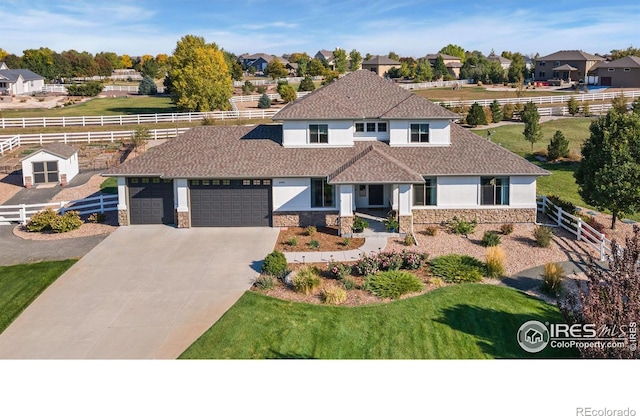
x=230 y=203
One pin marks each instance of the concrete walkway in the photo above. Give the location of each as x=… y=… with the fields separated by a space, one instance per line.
x=371 y=245
x=146 y=291
x=531 y=279
x=40 y=195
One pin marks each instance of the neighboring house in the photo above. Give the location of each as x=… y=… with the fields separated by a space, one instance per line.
x=621 y=73
x=19 y=81
x=326 y=56
x=54 y=163
x=453 y=63
x=259 y=61
x=292 y=67
x=504 y=62
x=361 y=142
x=380 y=65
x=567 y=66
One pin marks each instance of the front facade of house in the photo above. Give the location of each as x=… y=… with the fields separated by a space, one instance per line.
x=19 y=81
x=621 y=73
x=380 y=65
x=359 y=143
x=567 y=66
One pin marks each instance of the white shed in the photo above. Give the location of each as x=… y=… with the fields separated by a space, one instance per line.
x=55 y=163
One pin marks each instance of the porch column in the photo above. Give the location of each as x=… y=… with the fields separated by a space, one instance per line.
x=123 y=213
x=346 y=203
x=405 y=216
x=181 y=193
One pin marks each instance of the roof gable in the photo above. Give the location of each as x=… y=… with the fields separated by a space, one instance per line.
x=381 y=60
x=58 y=149
x=374 y=166
x=571 y=55
x=362 y=94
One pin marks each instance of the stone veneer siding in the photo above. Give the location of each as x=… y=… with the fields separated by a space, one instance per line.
x=482 y=215
x=63 y=179
x=305 y=218
x=183 y=220
x=27 y=182
x=346 y=226
x=405 y=224
x=123 y=217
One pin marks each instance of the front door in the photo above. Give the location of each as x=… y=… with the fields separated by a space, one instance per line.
x=45 y=172
x=376 y=195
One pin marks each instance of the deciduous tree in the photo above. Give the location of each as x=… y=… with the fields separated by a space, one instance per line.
x=609 y=173
x=355 y=60
x=340 y=60
x=423 y=71
x=288 y=93
x=315 y=68
x=275 y=69
x=454 y=50
x=200 y=79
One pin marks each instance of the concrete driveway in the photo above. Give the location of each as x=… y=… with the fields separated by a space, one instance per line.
x=144 y=292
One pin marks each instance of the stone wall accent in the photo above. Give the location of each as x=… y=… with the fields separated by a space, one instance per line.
x=63 y=179
x=123 y=217
x=183 y=220
x=346 y=226
x=27 y=182
x=406 y=224
x=305 y=218
x=483 y=216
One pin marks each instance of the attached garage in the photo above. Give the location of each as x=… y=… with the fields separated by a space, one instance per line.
x=151 y=201
x=230 y=203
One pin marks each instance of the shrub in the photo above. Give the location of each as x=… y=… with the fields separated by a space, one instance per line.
x=69 y=221
x=412 y=260
x=208 y=121
x=306 y=280
x=346 y=241
x=88 y=89
x=349 y=283
x=306 y=84
x=558 y=147
x=248 y=87
x=140 y=136
x=572 y=106
x=275 y=264
x=409 y=240
x=314 y=244
x=552 y=278
x=389 y=261
x=542 y=235
x=264 y=102
x=288 y=93
x=506 y=229
x=359 y=224
x=367 y=265
x=431 y=230
x=566 y=206
x=339 y=270
x=293 y=241
x=392 y=284
x=265 y=282
x=476 y=115
x=147 y=86
x=596 y=225
x=461 y=226
x=261 y=89
x=41 y=221
x=586 y=110
x=507 y=111
x=97 y=217
x=496 y=111
x=457 y=268
x=490 y=239
x=334 y=295
x=495 y=262
x=310 y=230
x=391 y=223
x=436 y=281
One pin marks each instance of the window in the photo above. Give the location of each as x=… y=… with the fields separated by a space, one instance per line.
x=362 y=191
x=382 y=127
x=556 y=63
x=419 y=133
x=195 y=182
x=226 y=182
x=371 y=127
x=318 y=133
x=627 y=70
x=256 y=182
x=246 y=182
x=542 y=63
x=611 y=69
x=541 y=73
x=424 y=195
x=321 y=193
x=266 y=182
x=359 y=127
x=494 y=191
x=205 y=182
x=215 y=182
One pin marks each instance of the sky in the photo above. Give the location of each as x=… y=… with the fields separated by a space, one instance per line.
x=407 y=27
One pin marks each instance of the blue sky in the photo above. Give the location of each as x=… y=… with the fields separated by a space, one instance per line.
x=410 y=28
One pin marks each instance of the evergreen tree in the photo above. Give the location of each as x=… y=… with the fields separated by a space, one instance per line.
x=619 y=103
x=558 y=147
x=531 y=118
x=147 y=87
x=572 y=106
x=307 y=84
x=476 y=115
x=496 y=111
x=440 y=69
x=264 y=102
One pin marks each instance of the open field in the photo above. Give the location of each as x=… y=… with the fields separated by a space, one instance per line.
x=466 y=321
x=482 y=93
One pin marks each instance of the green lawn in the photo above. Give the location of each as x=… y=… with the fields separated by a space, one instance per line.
x=109 y=186
x=480 y=93
x=22 y=284
x=467 y=321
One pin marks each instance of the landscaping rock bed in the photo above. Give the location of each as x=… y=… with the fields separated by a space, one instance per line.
x=327 y=238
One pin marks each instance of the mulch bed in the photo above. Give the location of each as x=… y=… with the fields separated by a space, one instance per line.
x=327 y=237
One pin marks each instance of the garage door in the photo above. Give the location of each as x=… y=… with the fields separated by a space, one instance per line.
x=151 y=201
x=230 y=203
x=605 y=81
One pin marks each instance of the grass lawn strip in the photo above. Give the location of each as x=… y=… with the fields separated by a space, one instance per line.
x=22 y=284
x=467 y=321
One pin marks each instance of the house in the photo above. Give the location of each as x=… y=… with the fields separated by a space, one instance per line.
x=566 y=66
x=504 y=62
x=19 y=81
x=326 y=56
x=54 y=163
x=258 y=61
x=380 y=65
x=360 y=142
x=621 y=73
x=453 y=63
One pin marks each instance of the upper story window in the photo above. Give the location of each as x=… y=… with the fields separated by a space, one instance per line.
x=371 y=127
x=322 y=194
x=425 y=194
x=556 y=63
x=318 y=133
x=542 y=63
x=419 y=133
x=494 y=191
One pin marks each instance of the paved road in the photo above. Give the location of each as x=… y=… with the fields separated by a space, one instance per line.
x=15 y=250
x=143 y=292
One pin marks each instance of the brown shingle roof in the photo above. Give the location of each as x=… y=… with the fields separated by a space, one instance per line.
x=57 y=149
x=362 y=94
x=372 y=165
x=381 y=60
x=256 y=152
x=572 y=55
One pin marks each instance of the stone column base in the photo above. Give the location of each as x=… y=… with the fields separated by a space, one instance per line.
x=183 y=219
x=63 y=179
x=406 y=223
x=123 y=217
x=346 y=226
x=27 y=182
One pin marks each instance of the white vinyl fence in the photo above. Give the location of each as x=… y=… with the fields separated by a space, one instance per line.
x=23 y=212
x=575 y=225
x=7 y=144
x=61 y=88
x=90 y=136
x=432 y=84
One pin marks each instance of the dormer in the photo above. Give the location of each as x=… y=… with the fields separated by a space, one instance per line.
x=364 y=107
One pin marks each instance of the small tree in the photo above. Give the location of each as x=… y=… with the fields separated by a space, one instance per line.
x=340 y=59
x=635 y=106
x=355 y=60
x=586 y=110
x=496 y=111
x=558 y=147
x=507 y=111
x=307 y=85
x=264 y=102
x=281 y=83
x=572 y=106
x=147 y=87
x=275 y=69
x=531 y=118
x=611 y=299
x=139 y=138
x=288 y=93
x=440 y=69
x=248 y=87
x=619 y=103
x=476 y=115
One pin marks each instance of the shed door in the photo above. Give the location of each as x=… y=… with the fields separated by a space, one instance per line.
x=45 y=172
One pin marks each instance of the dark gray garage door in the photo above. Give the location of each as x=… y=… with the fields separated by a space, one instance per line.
x=230 y=203
x=151 y=201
